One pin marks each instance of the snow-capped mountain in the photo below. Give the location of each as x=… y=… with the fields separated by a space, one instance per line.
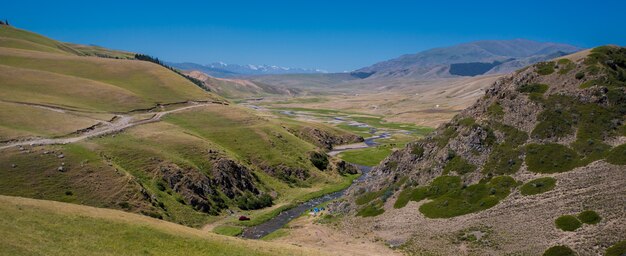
x=221 y=69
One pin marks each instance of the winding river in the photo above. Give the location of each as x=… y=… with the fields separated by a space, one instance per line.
x=285 y=217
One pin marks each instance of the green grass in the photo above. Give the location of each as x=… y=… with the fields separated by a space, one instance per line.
x=247 y=136
x=371 y=210
x=495 y=110
x=544 y=68
x=589 y=217
x=538 y=186
x=228 y=230
x=504 y=159
x=567 y=223
x=618 y=249
x=23 y=39
x=617 y=155
x=559 y=250
x=367 y=156
x=550 y=158
x=276 y=234
x=31 y=227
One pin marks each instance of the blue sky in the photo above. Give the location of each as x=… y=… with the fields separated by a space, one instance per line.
x=332 y=35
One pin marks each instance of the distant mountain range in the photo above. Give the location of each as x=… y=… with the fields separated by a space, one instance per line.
x=223 y=70
x=469 y=59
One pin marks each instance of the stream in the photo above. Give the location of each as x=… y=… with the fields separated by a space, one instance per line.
x=285 y=217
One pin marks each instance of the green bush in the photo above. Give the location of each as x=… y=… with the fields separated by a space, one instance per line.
x=617 y=155
x=512 y=136
x=417 y=150
x=618 y=249
x=559 y=250
x=459 y=165
x=567 y=223
x=580 y=75
x=538 y=186
x=503 y=160
x=249 y=201
x=533 y=88
x=458 y=200
x=589 y=217
x=545 y=68
x=319 y=160
x=550 y=158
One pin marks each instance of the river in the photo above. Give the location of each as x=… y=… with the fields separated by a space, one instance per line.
x=285 y=217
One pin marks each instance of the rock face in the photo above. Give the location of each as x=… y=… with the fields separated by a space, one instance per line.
x=202 y=191
x=324 y=139
x=551 y=119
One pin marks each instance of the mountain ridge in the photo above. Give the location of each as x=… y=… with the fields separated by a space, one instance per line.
x=424 y=63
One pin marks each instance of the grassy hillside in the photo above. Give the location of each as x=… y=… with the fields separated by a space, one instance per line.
x=186 y=167
x=36 y=227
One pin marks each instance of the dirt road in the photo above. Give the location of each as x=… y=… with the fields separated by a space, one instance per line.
x=119 y=123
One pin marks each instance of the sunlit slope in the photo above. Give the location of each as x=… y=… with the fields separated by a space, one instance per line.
x=37 y=227
x=90 y=83
x=50 y=88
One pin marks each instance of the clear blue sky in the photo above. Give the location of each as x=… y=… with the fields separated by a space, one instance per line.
x=332 y=35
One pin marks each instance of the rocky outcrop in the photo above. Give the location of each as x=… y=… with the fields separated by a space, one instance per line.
x=232 y=178
x=204 y=192
x=324 y=139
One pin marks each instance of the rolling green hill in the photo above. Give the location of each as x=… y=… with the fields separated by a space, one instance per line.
x=92 y=126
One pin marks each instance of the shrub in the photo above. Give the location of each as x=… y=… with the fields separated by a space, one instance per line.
x=559 y=250
x=458 y=200
x=544 y=68
x=459 y=165
x=124 y=205
x=538 y=186
x=618 y=249
x=161 y=185
x=417 y=150
x=503 y=160
x=580 y=75
x=550 y=158
x=319 y=160
x=533 y=88
x=249 y=201
x=69 y=193
x=589 y=217
x=567 y=223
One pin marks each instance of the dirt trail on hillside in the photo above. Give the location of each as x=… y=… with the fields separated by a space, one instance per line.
x=119 y=123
